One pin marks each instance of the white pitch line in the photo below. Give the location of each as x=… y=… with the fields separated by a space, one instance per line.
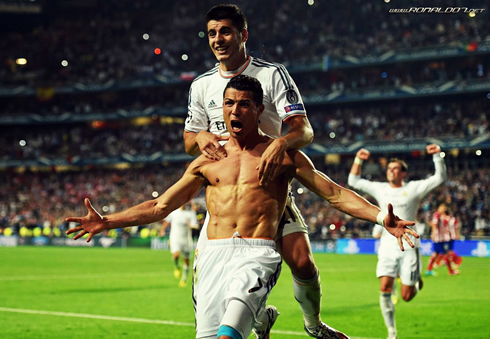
x=105 y=317
x=81 y=276
x=95 y=316
x=137 y=320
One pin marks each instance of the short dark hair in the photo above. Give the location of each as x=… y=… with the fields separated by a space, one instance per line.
x=228 y=11
x=401 y=162
x=244 y=82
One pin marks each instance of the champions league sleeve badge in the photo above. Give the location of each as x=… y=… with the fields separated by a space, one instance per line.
x=292 y=96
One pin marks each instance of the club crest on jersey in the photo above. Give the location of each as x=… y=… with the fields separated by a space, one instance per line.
x=295 y=107
x=212 y=104
x=292 y=96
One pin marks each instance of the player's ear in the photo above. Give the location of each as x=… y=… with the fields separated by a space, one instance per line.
x=260 y=110
x=244 y=35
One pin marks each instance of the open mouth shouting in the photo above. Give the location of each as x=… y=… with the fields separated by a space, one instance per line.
x=236 y=126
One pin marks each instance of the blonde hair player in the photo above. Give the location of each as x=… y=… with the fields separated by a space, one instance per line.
x=405 y=197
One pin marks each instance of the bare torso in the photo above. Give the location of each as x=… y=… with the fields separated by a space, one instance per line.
x=235 y=200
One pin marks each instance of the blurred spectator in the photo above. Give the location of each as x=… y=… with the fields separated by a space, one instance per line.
x=117 y=40
x=41 y=199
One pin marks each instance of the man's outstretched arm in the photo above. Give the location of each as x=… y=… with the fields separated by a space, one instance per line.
x=348 y=201
x=145 y=213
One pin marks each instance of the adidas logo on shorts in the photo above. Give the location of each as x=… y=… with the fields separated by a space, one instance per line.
x=212 y=104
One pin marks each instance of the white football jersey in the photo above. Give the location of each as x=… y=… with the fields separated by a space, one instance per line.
x=281 y=98
x=180 y=223
x=405 y=199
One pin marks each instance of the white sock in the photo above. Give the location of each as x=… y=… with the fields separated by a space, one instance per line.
x=388 y=312
x=309 y=295
x=185 y=272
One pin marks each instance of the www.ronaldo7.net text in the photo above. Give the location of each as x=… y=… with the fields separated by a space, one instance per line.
x=440 y=10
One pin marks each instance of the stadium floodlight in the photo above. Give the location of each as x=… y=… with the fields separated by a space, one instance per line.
x=21 y=61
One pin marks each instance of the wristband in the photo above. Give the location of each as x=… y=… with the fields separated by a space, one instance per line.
x=380 y=219
x=358 y=161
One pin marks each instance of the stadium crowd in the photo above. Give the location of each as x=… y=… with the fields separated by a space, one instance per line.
x=118 y=42
x=397 y=121
x=394 y=121
x=312 y=86
x=109 y=42
x=86 y=142
x=43 y=199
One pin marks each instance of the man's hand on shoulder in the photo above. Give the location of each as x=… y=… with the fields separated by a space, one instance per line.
x=272 y=160
x=209 y=145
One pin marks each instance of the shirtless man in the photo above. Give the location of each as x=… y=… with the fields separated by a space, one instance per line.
x=240 y=265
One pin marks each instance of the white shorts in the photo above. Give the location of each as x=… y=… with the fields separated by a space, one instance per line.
x=243 y=269
x=291 y=222
x=407 y=264
x=183 y=245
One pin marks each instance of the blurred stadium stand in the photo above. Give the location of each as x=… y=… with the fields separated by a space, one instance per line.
x=93 y=97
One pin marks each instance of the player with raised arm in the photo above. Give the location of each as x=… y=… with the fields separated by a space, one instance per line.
x=405 y=197
x=205 y=132
x=239 y=265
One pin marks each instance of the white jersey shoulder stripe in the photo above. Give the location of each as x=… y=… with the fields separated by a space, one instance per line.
x=282 y=70
x=208 y=73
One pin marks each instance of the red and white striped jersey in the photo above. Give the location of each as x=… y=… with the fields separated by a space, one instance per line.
x=454 y=228
x=441 y=233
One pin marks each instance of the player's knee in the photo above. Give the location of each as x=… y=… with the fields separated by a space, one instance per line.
x=409 y=294
x=302 y=267
x=296 y=252
x=386 y=288
x=386 y=285
x=407 y=297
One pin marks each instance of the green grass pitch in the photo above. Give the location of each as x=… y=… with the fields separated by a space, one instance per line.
x=58 y=292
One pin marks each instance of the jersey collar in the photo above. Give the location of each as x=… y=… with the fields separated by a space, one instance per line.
x=231 y=74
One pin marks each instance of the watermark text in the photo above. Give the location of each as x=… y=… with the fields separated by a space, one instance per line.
x=439 y=10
